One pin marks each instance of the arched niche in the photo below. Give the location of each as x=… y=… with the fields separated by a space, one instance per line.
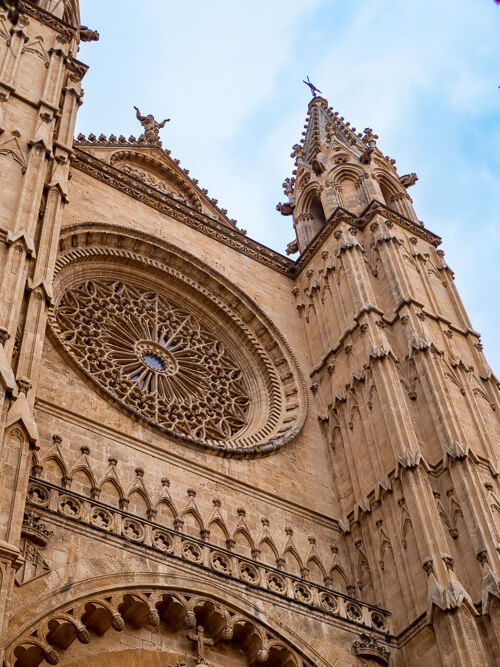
x=310 y=218
x=67 y=10
x=346 y=184
x=395 y=196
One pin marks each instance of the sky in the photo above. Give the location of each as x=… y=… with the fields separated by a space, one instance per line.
x=424 y=75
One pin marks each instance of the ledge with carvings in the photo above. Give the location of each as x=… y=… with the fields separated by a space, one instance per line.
x=360 y=221
x=182 y=213
x=172 y=544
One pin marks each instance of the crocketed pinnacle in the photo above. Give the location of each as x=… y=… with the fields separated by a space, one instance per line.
x=322 y=124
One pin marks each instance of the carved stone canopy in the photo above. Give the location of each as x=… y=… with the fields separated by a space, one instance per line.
x=90 y=617
x=368 y=646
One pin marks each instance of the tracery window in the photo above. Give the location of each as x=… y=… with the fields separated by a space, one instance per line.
x=174 y=342
x=154 y=356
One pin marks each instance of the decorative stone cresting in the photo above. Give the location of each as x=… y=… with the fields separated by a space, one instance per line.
x=198 y=371
x=164 y=542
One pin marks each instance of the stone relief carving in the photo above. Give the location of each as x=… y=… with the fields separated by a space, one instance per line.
x=154 y=183
x=200 y=543
x=34 y=537
x=369 y=647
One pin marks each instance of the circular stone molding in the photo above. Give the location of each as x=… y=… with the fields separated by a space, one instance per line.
x=174 y=343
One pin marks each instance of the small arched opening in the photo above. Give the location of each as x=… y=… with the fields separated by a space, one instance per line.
x=387 y=194
x=317 y=214
x=311 y=219
x=395 y=197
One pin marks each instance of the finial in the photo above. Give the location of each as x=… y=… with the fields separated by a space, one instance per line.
x=370 y=138
x=312 y=87
x=151 y=127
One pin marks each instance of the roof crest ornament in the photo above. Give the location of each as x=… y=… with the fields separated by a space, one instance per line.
x=312 y=87
x=151 y=128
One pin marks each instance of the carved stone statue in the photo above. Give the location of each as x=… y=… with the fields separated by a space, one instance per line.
x=87 y=35
x=151 y=127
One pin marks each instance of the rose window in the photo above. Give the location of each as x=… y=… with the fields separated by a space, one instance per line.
x=155 y=357
x=174 y=342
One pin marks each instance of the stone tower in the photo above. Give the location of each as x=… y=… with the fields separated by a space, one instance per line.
x=212 y=454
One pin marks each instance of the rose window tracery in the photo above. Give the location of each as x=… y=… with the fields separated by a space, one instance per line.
x=174 y=342
x=155 y=357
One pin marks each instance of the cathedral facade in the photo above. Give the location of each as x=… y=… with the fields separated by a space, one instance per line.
x=212 y=454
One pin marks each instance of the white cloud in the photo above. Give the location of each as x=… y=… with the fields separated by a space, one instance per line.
x=423 y=75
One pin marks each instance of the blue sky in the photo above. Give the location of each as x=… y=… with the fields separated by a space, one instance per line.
x=424 y=75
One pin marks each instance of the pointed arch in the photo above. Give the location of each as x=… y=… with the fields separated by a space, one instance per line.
x=347 y=181
x=339 y=579
x=317 y=572
x=310 y=206
x=114 y=499
x=394 y=194
x=345 y=171
x=388 y=185
x=364 y=577
x=266 y=545
x=139 y=502
x=293 y=561
x=82 y=468
x=36 y=467
x=80 y=486
x=71 y=12
x=221 y=525
x=243 y=540
x=192 y=512
x=54 y=469
x=309 y=215
x=164 y=506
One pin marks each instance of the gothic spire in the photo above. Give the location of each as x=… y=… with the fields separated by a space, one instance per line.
x=338 y=167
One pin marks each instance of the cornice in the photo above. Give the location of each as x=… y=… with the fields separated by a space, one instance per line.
x=389 y=321
x=78 y=68
x=234 y=238
x=131 y=186
x=340 y=215
x=406 y=463
x=28 y=7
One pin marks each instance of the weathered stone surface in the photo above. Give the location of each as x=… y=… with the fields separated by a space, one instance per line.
x=210 y=453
